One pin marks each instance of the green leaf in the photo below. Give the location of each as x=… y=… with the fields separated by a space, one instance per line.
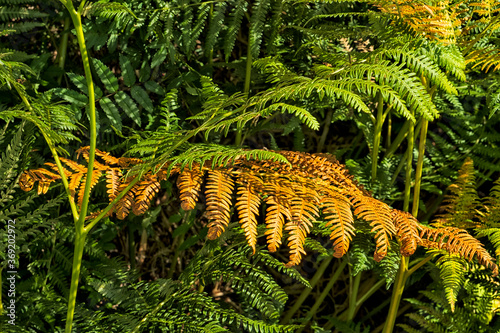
x=154 y=87
x=141 y=96
x=71 y=96
x=79 y=81
x=129 y=107
x=111 y=112
x=159 y=56
x=144 y=72
x=107 y=77
x=128 y=73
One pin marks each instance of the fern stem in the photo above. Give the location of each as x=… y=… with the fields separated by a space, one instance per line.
x=326 y=128
x=63 y=48
x=303 y=296
x=77 y=22
x=397 y=292
x=353 y=296
x=418 y=265
x=80 y=238
x=246 y=88
x=399 y=139
x=376 y=136
x=420 y=163
x=409 y=162
x=370 y=292
x=81 y=232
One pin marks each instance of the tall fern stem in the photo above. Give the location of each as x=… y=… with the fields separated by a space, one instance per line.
x=402 y=275
x=81 y=232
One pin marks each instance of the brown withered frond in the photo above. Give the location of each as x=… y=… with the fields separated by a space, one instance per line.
x=304 y=208
x=189 y=184
x=338 y=214
x=380 y=217
x=247 y=204
x=278 y=210
x=218 y=191
x=296 y=195
x=146 y=189
x=408 y=231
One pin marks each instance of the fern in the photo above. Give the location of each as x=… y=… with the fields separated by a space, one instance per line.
x=309 y=178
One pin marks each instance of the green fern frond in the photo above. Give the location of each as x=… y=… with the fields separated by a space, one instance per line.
x=233 y=26
x=257 y=23
x=108 y=10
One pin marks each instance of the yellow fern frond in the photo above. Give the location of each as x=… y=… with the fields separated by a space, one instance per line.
x=74 y=183
x=380 y=217
x=189 y=184
x=124 y=205
x=408 y=231
x=458 y=241
x=96 y=175
x=247 y=205
x=338 y=214
x=218 y=192
x=278 y=201
x=304 y=210
x=147 y=189
x=113 y=176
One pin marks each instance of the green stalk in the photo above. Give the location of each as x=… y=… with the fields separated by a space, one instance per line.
x=397 y=292
x=420 y=163
x=326 y=128
x=399 y=139
x=246 y=88
x=80 y=238
x=409 y=161
x=81 y=232
x=402 y=275
x=63 y=48
x=352 y=298
x=376 y=135
x=303 y=296
x=59 y=165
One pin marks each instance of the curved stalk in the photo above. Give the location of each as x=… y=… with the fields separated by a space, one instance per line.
x=376 y=136
x=81 y=233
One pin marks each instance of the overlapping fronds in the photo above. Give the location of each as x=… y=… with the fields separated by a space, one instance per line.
x=309 y=189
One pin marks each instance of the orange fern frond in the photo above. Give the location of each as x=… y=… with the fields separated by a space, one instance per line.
x=408 y=231
x=380 y=217
x=73 y=165
x=42 y=176
x=189 y=184
x=96 y=175
x=278 y=201
x=304 y=209
x=74 y=182
x=458 y=241
x=338 y=214
x=247 y=205
x=146 y=190
x=218 y=193
x=113 y=176
x=124 y=205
